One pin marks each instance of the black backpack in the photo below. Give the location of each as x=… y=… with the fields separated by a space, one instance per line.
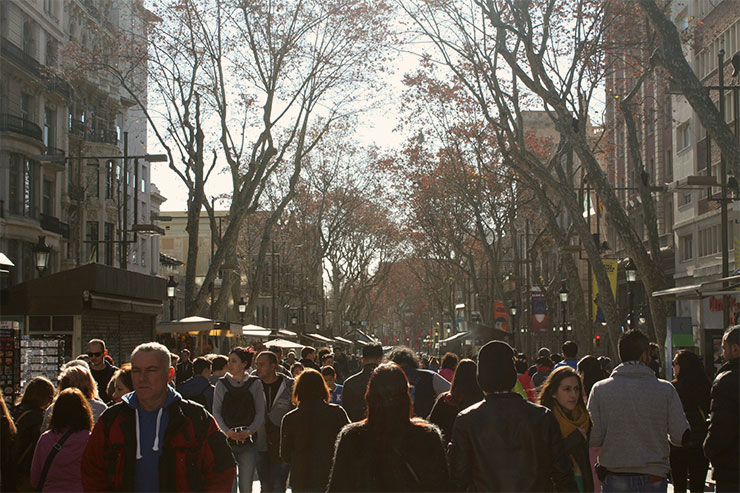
x=237 y=407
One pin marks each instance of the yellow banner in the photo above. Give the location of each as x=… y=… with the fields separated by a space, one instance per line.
x=611 y=270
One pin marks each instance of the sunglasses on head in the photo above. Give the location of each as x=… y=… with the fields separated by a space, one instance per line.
x=95 y=355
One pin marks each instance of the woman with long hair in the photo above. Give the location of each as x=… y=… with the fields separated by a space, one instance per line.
x=389 y=450
x=7 y=437
x=449 y=363
x=308 y=433
x=81 y=378
x=239 y=409
x=562 y=393
x=693 y=388
x=29 y=416
x=463 y=393
x=69 y=430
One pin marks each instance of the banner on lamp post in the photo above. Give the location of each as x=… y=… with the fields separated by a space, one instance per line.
x=500 y=317
x=611 y=271
x=539 y=311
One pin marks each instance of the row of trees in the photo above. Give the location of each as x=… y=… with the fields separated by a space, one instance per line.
x=267 y=91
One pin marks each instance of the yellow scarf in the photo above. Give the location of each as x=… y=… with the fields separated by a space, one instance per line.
x=579 y=418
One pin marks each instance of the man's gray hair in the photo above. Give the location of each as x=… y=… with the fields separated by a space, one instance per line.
x=156 y=348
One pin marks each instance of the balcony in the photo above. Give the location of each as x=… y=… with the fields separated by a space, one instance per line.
x=53 y=151
x=20 y=57
x=103 y=136
x=16 y=124
x=54 y=225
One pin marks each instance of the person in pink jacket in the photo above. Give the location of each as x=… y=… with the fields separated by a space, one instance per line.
x=69 y=427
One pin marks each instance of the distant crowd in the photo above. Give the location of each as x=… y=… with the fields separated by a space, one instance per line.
x=388 y=422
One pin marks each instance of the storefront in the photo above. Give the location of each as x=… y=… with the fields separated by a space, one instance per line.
x=60 y=312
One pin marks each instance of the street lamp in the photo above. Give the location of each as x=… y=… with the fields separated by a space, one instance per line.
x=563 y=293
x=242 y=308
x=171 y=289
x=41 y=252
x=631 y=274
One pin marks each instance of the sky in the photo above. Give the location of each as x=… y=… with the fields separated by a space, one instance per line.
x=376 y=128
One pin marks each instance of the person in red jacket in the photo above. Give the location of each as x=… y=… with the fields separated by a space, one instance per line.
x=154 y=440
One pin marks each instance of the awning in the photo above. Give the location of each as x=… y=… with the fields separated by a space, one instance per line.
x=187 y=324
x=457 y=337
x=699 y=291
x=256 y=333
x=283 y=344
x=123 y=304
x=5 y=262
x=342 y=339
x=318 y=337
x=287 y=333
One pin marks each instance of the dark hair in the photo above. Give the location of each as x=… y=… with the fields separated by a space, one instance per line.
x=450 y=360
x=732 y=335
x=269 y=355
x=174 y=359
x=295 y=365
x=306 y=351
x=692 y=382
x=124 y=373
x=606 y=363
x=243 y=354
x=310 y=385
x=389 y=404
x=544 y=361
x=219 y=362
x=632 y=344
x=39 y=393
x=556 y=358
x=328 y=370
x=590 y=371
x=464 y=389
x=520 y=365
x=199 y=364
x=277 y=350
x=71 y=411
x=372 y=351
x=569 y=349
x=97 y=341
x=6 y=424
x=404 y=356
x=552 y=384
x=543 y=352
x=326 y=356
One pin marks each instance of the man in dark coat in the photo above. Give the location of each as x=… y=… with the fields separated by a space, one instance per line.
x=353 y=395
x=722 y=445
x=426 y=385
x=505 y=443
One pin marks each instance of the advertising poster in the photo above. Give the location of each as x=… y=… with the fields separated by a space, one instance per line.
x=539 y=311
x=611 y=271
x=500 y=317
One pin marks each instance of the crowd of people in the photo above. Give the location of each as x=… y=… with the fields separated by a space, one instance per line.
x=164 y=422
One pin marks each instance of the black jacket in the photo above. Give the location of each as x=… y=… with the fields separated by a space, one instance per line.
x=576 y=445
x=505 y=443
x=353 y=394
x=722 y=445
x=413 y=460
x=307 y=436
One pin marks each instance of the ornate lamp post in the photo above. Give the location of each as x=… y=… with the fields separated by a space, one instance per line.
x=631 y=274
x=171 y=289
x=563 y=293
x=242 y=308
x=41 y=252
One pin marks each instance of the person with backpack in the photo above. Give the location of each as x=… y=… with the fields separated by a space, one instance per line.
x=239 y=409
x=198 y=388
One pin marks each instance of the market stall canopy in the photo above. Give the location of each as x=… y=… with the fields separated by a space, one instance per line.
x=343 y=340
x=703 y=290
x=5 y=262
x=187 y=324
x=287 y=333
x=455 y=338
x=319 y=338
x=255 y=331
x=283 y=344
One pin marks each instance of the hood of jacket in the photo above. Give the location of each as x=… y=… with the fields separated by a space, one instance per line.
x=193 y=386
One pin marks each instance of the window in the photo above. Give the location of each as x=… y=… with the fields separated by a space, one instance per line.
x=110 y=179
x=51 y=53
x=28 y=41
x=25 y=106
x=685 y=198
x=91 y=240
x=683 y=136
x=108 y=238
x=50 y=119
x=729 y=108
x=93 y=178
x=668 y=171
x=682 y=19
x=29 y=187
x=47 y=201
x=685 y=246
x=709 y=242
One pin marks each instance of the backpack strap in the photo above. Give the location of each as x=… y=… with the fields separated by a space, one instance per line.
x=50 y=458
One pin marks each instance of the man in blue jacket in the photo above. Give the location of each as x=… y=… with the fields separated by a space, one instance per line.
x=198 y=388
